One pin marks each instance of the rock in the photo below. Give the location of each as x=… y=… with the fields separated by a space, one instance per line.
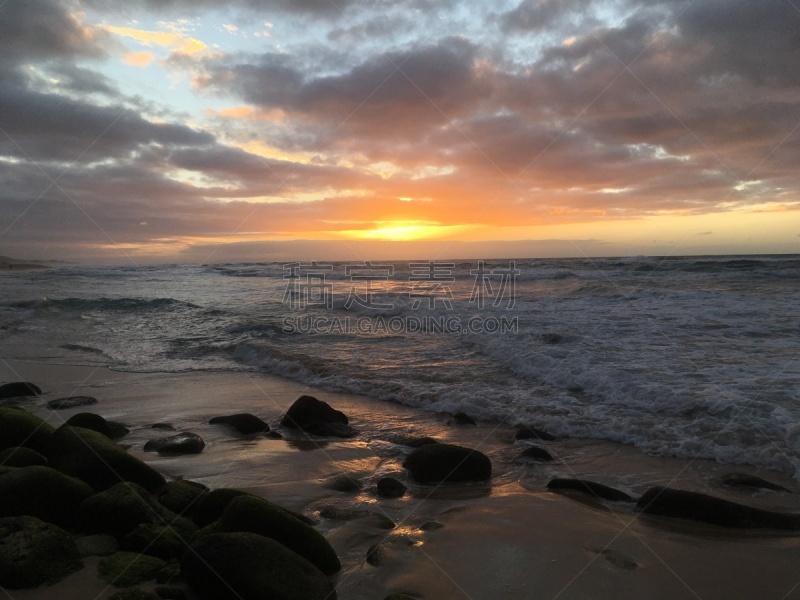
x=133 y=594
x=592 y=488
x=617 y=558
x=535 y=453
x=44 y=493
x=413 y=441
x=210 y=506
x=550 y=338
x=246 y=566
x=170 y=593
x=244 y=423
x=121 y=508
x=71 y=402
x=19 y=456
x=20 y=428
x=163 y=426
x=351 y=514
x=743 y=480
x=526 y=432
x=19 y=389
x=389 y=487
x=431 y=526
x=344 y=483
x=181 y=496
x=448 y=463
x=374 y=555
x=161 y=541
x=124 y=569
x=101 y=544
x=33 y=553
x=170 y=574
x=667 y=502
x=399 y=597
x=464 y=419
x=317 y=418
x=257 y=515
x=185 y=442
x=110 y=429
x=92 y=457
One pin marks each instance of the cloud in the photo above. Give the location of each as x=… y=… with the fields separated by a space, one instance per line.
x=138 y=59
x=167 y=39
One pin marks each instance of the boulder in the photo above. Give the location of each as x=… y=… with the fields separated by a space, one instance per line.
x=257 y=515
x=44 y=493
x=110 y=429
x=92 y=457
x=317 y=418
x=667 y=502
x=598 y=490
x=463 y=418
x=156 y=540
x=100 y=544
x=246 y=566
x=133 y=594
x=121 y=508
x=526 y=432
x=125 y=569
x=344 y=483
x=181 y=496
x=19 y=456
x=163 y=426
x=185 y=442
x=743 y=480
x=71 y=402
x=33 y=553
x=244 y=423
x=20 y=428
x=412 y=441
x=389 y=487
x=18 y=389
x=535 y=453
x=170 y=593
x=447 y=463
x=209 y=507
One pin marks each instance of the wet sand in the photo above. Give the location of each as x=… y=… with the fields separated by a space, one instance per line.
x=509 y=540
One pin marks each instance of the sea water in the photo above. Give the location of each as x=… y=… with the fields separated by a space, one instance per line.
x=680 y=356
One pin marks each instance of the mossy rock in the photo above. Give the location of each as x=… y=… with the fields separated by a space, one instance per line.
x=344 y=483
x=448 y=463
x=99 y=544
x=92 y=457
x=210 y=506
x=18 y=389
x=33 y=553
x=44 y=493
x=20 y=428
x=246 y=566
x=87 y=420
x=257 y=515
x=181 y=496
x=133 y=594
x=121 y=508
x=161 y=541
x=125 y=569
x=20 y=456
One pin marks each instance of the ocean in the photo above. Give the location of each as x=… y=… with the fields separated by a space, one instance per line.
x=679 y=356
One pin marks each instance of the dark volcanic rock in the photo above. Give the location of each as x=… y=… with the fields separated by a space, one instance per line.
x=123 y=507
x=743 y=480
x=344 y=483
x=209 y=507
x=535 y=453
x=43 y=493
x=589 y=487
x=92 y=457
x=124 y=569
x=436 y=463
x=389 y=487
x=185 y=442
x=246 y=566
x=19 y=389
x=412 y=441
x=161 y=541
x=33 y=553
x=87 y=420
x=181 y=496
x=525 y=432
x=71 y=402
x=244 y=423
x=20 y=428
x=19 y=456
x=317 y=418
x=463 y=418
x=163 y=426
x=257 y=515
x=695 y=506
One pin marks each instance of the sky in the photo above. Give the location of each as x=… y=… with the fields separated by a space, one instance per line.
x=143 y=131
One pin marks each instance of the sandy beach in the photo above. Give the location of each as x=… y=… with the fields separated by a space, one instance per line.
x=512 y=539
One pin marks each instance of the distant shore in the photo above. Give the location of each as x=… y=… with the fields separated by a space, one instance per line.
x=14 y=264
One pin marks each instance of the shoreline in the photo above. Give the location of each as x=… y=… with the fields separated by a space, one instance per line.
x=505 y=541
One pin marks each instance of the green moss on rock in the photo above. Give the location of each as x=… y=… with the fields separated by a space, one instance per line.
x=257 y=515
x=210 y=507
x=92 y=457
x=125 y=569
x=133 y=594
x=44 y=493
x=20 y=456
x=20 y=428
x=33 y=553
x=161 y=541
x=181 y=496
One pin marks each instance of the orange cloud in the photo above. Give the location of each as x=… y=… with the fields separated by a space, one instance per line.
x=138 y=59
x=176 y=41
x=248 y=112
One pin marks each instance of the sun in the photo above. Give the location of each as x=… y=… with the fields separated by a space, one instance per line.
x=401 y=231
